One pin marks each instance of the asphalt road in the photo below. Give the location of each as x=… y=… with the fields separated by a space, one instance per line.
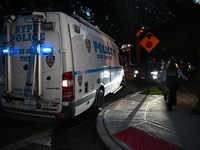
x=78 y=133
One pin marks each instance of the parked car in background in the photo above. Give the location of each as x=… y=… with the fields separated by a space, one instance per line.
x=144 y=72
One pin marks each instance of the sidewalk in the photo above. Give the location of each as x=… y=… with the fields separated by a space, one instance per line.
x=142 y=122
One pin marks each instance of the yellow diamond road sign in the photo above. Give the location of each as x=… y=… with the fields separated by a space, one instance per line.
x=149 y=42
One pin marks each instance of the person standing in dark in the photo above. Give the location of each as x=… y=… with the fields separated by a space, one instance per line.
x=171 y=78
x=163 y=84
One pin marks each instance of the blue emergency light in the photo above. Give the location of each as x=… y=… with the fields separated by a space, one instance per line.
x=38 y=48
x=5 y=51
x=47 y=50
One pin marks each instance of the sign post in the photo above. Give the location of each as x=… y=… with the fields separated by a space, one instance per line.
x=148 y=43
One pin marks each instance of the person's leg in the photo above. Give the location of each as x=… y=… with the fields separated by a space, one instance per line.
x=175 y=97
x=165 y=91
x=170 y=103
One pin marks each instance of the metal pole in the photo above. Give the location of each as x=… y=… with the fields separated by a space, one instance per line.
x=129 y=60
x=198 y=104
x=39 y=63
x=9 y=75
x=39 y=58
x=34 y=72
x=138 y=52
x=148 y=72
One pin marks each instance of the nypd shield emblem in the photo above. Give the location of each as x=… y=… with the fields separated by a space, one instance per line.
x=50 y=60
x=88 y=45
x=80 y=79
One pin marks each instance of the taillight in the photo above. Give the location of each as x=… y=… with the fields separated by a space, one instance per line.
x=67 y=86
x=60 y=117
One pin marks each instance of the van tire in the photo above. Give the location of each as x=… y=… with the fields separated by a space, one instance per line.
x=123 y=83
x=99 y=102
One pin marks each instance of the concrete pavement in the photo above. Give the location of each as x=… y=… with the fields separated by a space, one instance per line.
x=140 y=121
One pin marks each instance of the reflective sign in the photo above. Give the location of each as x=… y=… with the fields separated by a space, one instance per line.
x=149 y=42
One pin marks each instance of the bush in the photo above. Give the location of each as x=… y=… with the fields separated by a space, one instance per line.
x=153 y=91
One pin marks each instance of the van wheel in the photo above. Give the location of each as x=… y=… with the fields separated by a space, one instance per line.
x=99 y=102
x=123 y=83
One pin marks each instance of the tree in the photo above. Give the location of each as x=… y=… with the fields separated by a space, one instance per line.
x=179 y=36
x=175 y=23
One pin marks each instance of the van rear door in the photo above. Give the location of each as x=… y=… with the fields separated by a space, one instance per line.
x=25 y=53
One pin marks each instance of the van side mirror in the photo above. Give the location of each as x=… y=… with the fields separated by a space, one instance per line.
x=121 y=60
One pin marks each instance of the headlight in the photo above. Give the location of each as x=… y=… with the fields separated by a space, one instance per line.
x=136 y=72
x=155 y=73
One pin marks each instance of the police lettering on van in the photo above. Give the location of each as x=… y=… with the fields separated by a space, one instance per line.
x=58 y=72
x=26 y=33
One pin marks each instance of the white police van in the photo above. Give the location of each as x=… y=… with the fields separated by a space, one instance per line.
x=56 y=66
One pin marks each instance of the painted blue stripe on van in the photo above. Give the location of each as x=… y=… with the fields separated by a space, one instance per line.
x=116 y=68
x=77 y=72
x=95 y=70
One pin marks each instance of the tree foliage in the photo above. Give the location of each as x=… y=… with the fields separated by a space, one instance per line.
x=175 y=23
